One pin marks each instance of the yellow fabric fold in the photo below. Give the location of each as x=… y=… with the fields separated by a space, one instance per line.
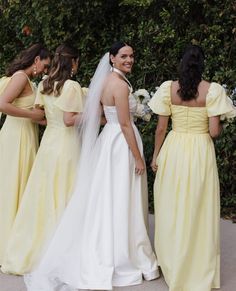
x=39 y=96
x=161 y=102
x=71 y=98
x=218 y=103
x=3 y=83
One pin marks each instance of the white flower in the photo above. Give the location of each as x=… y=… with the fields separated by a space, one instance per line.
x=147 y=117
x=142 y=111
x=142 y=96
x=142 y=92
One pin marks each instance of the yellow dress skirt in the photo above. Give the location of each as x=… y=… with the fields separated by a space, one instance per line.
x=186 y=193
x=18 y=146
x=50 y=183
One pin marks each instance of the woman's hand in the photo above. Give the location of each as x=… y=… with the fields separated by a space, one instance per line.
x=154 y=165
x=37 y=114
x=139 y=166
x=42 y=122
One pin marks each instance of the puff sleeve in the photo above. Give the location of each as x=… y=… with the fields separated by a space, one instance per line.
x=218 y=103
x=39 y=95
x=71 y=98
x=85 y=91
x=160 y=102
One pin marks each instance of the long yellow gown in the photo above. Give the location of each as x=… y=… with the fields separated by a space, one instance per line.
x=18 y=146
x=50 y=183
x=3 y=84
x=186 y=193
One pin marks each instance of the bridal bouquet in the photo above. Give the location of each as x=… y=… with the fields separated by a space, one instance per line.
x=143 y=111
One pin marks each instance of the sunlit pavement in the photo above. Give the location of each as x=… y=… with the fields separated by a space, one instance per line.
x=228 y=266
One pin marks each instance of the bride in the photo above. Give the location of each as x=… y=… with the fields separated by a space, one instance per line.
x=102 y=239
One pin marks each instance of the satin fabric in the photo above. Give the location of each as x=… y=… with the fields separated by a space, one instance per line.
x=109 y=246
x=186 y=193
x=50 y=183
x=18 y=147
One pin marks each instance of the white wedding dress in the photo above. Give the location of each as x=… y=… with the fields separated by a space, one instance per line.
x=102 y=241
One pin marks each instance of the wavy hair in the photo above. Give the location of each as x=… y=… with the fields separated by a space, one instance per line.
x=26 y=58
x=60 y=70
x=190 y=72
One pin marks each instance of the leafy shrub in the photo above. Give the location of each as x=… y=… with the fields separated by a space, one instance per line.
x=159 y=30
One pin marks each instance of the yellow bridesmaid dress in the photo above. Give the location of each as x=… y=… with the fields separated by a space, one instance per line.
x=50 y=183
x=186 y=193
x=3 y=84
x=18 y=146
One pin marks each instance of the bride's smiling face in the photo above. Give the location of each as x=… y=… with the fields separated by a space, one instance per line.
x=124 y=59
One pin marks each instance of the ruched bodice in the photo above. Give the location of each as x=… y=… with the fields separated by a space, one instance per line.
x=186 y=191
x=192 y=120
x=189 y=119
x=111 y=112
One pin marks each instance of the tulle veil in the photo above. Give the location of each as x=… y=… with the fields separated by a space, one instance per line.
x=49 y=274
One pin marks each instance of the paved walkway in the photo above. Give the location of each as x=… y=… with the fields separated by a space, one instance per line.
x=228 y=266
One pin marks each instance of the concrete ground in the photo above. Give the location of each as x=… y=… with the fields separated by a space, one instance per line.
x=228 y=266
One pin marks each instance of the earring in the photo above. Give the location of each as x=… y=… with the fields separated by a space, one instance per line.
x=72 y=73
x=34 y=70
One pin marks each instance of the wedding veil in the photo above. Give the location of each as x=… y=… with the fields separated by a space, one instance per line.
x=52 y=269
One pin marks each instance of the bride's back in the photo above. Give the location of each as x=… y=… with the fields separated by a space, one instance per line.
x=111 y=87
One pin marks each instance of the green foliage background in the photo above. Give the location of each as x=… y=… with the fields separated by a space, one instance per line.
x=157 y=29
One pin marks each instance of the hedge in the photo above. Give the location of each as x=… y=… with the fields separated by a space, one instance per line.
x=157 y=29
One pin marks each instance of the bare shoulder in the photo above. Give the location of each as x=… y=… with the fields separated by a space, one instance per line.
x=19 y=78
x=174 y=87
x=205 y=84
x=117 y=85
x=175 y=83
x=18 y=83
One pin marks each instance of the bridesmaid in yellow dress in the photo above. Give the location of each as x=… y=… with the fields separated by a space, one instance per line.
x=19 y=135
x=52 y=177
x=186 y=189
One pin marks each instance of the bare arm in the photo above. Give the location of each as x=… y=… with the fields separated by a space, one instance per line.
x=103 y=118
x=43 y=121
x=214 y=126
x=70 y=118
x=159 y=138
x=122 y=107
x=13 y=91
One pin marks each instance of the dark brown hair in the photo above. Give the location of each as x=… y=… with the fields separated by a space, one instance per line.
x=190 y=72
x=60 y=70
x=26 y=58
x=114 y=49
